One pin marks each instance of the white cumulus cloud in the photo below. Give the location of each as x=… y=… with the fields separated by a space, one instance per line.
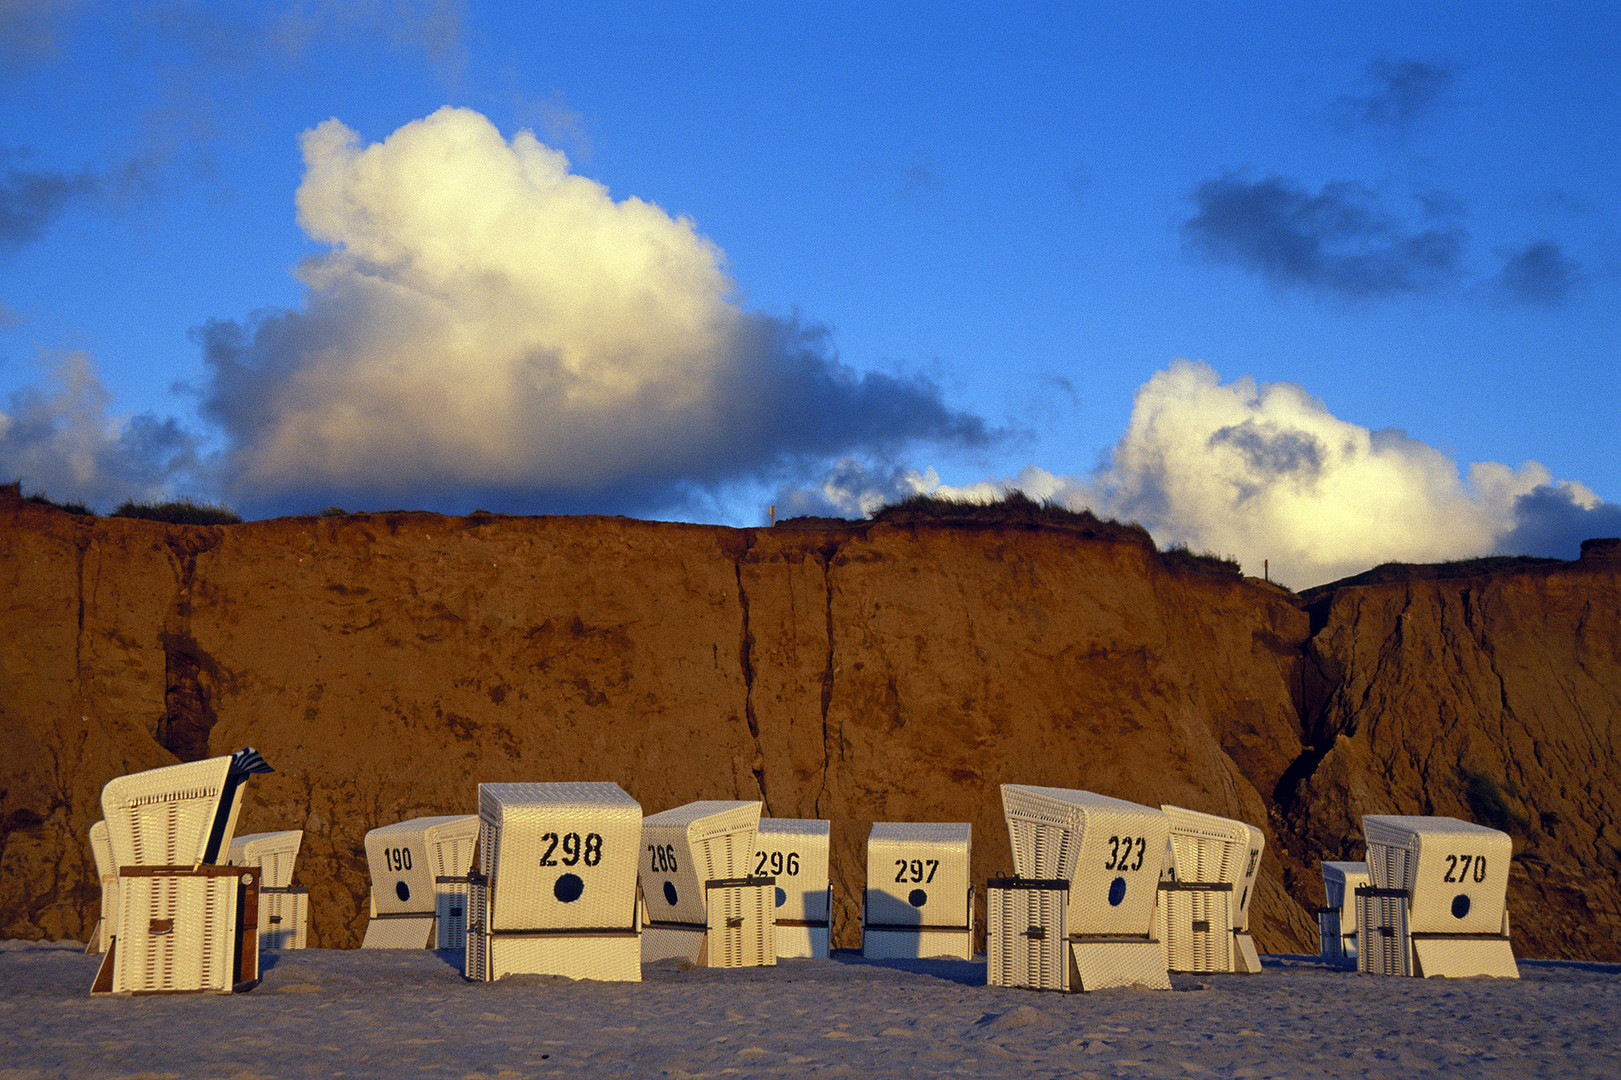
x=1267 y=474
x=486 y=320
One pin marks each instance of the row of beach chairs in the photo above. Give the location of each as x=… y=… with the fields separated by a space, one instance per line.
x=571 y=879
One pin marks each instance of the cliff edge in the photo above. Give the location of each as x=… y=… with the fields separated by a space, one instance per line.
x=385 y=664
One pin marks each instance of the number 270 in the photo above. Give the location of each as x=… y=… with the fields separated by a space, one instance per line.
x=1458 y=868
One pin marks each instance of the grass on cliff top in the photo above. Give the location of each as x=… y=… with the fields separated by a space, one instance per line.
x=179 y=512
x=1386 y=573
x=38 y=498
x=1017 y=508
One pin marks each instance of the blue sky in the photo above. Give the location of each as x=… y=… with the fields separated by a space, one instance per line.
x=1322 y=285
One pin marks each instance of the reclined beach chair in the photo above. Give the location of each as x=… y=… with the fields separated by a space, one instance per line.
x=555 y=888
x=410 y=907
x=102 y=849
x=795 y=852
x=1079 y=914
x=702 y=903
x=1205 y=893
x=1438 y=905
x=186 y=923
x=284 y=910
x=1336 y=920
x=919 y=900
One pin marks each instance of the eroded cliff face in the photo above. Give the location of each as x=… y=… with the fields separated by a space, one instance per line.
x=386 y=664
x=1496 y=699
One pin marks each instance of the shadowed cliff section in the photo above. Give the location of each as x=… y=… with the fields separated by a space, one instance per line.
x=884 y=671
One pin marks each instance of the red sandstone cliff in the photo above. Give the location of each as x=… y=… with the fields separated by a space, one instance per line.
x=385 y=664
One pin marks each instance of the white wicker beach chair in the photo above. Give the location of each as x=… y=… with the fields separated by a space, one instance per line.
x=795 y=852
x=1438 y=902
x=408 y=900
x=1080 y=914
x=284 y=909
x=107 y=870
x=919 y=898
x=186 y=923
x=1205 y=893
x=555 y=891
x=1336 y=920
x=702 y=902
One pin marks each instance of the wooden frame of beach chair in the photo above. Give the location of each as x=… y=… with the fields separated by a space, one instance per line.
x=795 y=851
x=701 y=903
x=101 y=849
x=919 y=900
x=1110 y=852
x=555 y=889
x=1336 y=920
x=406 y=860
x=1224 y=856
x=185 y=923
x=283 y=908
x=1451 y=919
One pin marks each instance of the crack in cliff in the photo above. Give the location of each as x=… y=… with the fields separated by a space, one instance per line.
x=189 y=672
x=825 y=557
x=745 y=656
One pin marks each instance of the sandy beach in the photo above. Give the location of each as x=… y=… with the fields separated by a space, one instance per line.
x=331 y=1013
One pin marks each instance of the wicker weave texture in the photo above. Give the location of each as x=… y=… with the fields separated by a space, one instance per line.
x=1383 y=943
x=1206 y=847
x=684 y=847
x=399 y=932
x=450 y=917
x=795 y=852
x=742 y=924
x=917 y=944
x=107 y=870
x=1027 y=938
x=1046 y=826
x=1464 y=957
x=917 y=875
x=404 y=862
x=273 y=853
x=575 y=956
x=1101 y=965
x=673 y=943
x=1195 y=929
x=1110 y=850
x=803 y=942
x=476 y=960
x=163 y=817
x=176 y=933
x=284 y=918
x=1456 y=871
x=561 y=856
x=1340 y=882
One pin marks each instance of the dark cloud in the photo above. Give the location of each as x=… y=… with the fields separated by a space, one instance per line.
x=1549 y=521
x=1539 y=274
x=30 y=200
x=61 y=440
x=786 y=404
x=1340 y=240
x=1272 y=453
x=1402 y=91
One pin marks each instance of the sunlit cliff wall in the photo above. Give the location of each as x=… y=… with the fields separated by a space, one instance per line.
x=385 y=664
